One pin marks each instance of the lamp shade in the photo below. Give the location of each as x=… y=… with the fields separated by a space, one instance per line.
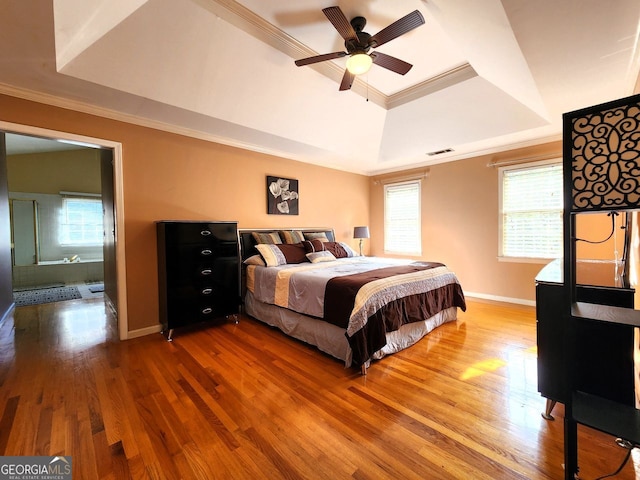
x=360 y=232
x=359 y=63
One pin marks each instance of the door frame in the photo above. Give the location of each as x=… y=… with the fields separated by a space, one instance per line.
x=118 y=190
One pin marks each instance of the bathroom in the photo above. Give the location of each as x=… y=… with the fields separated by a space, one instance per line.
x=56 y=213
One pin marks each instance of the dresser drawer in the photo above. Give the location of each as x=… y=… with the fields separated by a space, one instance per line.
x=204 y=234
x=186 y=313
x=206 y=292
x=194 y=254
x=214 y=271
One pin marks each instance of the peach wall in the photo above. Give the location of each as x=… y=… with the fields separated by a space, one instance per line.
x=596 y=227
x=460 y=224
x=169 y=176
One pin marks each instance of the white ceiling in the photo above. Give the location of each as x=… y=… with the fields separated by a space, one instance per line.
x=487 y=76
x=20 y=144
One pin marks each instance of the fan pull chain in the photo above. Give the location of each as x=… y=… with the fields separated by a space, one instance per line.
x=367 y=86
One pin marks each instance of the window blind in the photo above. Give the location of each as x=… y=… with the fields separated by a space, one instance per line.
x=402 y=222
x=531 y=211
x=81 y=222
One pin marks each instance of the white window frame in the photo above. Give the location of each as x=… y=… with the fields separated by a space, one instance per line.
x=64 y=238
x=543 y=257
x=413 y=248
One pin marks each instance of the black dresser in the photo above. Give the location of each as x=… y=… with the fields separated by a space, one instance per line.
x=198 y=272
x=604 y=363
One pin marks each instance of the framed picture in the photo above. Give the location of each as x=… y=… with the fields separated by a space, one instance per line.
x=282 y=196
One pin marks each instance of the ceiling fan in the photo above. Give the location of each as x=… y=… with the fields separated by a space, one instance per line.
x=358 y=44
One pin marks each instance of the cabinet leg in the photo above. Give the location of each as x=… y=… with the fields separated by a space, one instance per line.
x=170 y=335
x=234 y=317
x=570 y=447
x=548 y=409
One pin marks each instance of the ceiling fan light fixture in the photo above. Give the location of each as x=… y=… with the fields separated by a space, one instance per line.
x=359 y=63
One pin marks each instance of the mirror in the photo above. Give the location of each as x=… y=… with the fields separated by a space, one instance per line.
x=24 y=231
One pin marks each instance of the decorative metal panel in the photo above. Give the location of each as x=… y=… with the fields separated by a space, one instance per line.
x=604 y=158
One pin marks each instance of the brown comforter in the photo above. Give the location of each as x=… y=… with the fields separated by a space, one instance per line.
x=367 y=296
x=340 y=296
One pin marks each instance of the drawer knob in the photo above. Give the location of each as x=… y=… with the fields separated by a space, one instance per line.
x=206 y=252
x=205 y=233
x=206 y=271
x=207 y=291
x=207 y=310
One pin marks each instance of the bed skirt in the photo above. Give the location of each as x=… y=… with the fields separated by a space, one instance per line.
x=330 y=338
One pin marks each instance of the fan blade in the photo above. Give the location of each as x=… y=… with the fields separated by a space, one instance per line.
x=391 y=63
x=397 y=28
x=347 y=80
x=319 y=58
x=340 y=22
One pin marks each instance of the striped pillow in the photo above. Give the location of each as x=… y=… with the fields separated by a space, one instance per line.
x=337 y=249
x=322 y=256
x=291 y=236
x=316 y=236
x=274 y=255
x=350 y=251
x=267 y=237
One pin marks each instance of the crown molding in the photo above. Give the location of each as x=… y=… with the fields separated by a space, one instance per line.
x=256 y=26
x=82 y=107
x=439 y=82
x=89 y=109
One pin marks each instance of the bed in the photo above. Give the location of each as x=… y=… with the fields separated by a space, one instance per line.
x=354 y=308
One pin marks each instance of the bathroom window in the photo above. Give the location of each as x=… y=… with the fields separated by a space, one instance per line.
x=81 y=222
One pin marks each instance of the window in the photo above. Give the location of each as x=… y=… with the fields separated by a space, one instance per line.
x=531 y=204
x=81 y=222
x=402 y=218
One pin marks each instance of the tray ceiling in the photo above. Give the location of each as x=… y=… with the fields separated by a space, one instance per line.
x=487 y=76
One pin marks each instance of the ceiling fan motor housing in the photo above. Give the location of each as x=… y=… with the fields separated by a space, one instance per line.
x=362 y=44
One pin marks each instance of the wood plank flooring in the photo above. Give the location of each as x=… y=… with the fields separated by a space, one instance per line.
x=245 y=402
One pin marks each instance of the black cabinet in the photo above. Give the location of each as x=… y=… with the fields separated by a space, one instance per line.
x=600 y=174
x=198 y=272
x=603 y=352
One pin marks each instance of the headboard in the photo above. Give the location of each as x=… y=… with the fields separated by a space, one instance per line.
x=248 y=243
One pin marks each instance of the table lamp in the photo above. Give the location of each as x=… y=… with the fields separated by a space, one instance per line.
x=360 y=232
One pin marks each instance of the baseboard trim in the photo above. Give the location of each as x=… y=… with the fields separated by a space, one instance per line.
x=496 y=298
x=6 y=314
x=141 y=332
x=483 y=296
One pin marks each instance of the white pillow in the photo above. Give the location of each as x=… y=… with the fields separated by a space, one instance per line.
x=255 y=260
x=322 y=256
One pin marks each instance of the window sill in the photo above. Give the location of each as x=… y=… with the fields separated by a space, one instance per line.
x=403 y=254
x=541 y=261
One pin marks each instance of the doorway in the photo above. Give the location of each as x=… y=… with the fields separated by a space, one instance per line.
x=56 y=216
x=110 y=160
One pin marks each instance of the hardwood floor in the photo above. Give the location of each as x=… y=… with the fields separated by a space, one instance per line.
x=244 y=401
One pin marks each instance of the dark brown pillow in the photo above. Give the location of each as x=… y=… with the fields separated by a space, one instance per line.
x=313 y=245
x=335 y=248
